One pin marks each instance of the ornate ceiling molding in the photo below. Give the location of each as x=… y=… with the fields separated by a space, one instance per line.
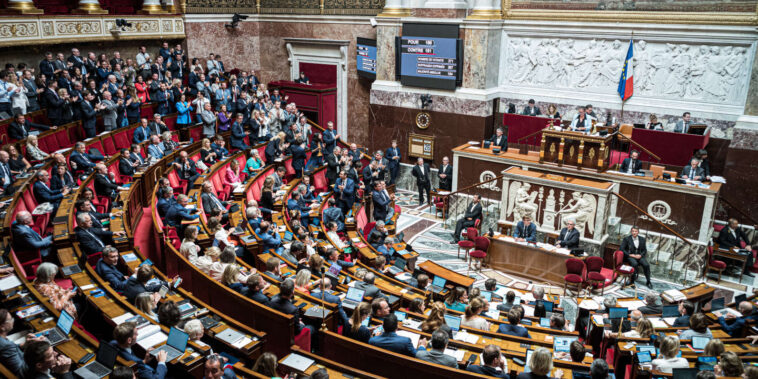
x=17 y=31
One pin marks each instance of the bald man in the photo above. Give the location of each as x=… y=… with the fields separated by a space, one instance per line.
x=24 y=238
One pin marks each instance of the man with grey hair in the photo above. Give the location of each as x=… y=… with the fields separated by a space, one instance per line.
x=569 y=236
x=437 y=353
x=177 y=212
x=194 y=328
x=367 y=284
x=44 y=194
x=377 y=235
x=538 y=293
x=653 y=305
x=25 y=239
x=6 y=178
x=386 y=249
x=92 y=240
x=107 y=268
x=104 y=182
x=109 y=107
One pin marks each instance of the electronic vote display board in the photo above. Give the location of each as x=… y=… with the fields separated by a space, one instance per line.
x=366 y=57
x=430 y=56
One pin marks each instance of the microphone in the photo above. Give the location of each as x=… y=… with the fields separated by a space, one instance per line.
x=323 y=306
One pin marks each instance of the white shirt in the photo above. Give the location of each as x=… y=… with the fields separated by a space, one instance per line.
x=636 y=242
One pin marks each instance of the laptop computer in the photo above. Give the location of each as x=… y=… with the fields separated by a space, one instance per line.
x=739 y=298
x=706 y=363
x=648 y=348
x=717 y=304
x=698 y=343
x=438 y=284
x=398 y=267
x=454 y=322
x=400 y=316
x=230 y=336
x=562 y=344
x=684 y=373
x=617 y=312
x=527 y=359
x=288 y=236
x=353 y=297
x=544 y=322
x=670 y=311
x=644 y=357
x=61 y=330
x=334 y=270
x=174 y=346
x=102 y=366
x=487 y=295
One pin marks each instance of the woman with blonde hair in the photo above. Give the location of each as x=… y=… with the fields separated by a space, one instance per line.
x=472 y=319
x=147 y=304
x=207 y=155
x=32 y=149
x=267 y=200
x=189 y=248
x=233 y=176
x=667 y=359
x=355 y=328
x=552 y=111
x=714 y=348
x=436 y=319
x=644 y=329
x=303 y=281
x=540 y=365
x=266 y=365
x=230 y=278
x=212 y=253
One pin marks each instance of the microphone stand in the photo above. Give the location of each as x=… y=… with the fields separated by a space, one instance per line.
x=323 y=306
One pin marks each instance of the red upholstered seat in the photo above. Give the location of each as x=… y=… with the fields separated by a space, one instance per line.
x=714 y=264
x=717 y=227
x=718 y=264
x=597 y=275
x=367 y=229
x=618 y=264
x=478 y=253
x=466 y=244
x=573 y=278
x=303 y=340
x=576 y=274
x=481 y=246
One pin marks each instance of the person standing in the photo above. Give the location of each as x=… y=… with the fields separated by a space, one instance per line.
x=393 y=156
x=445 y=175
x=421 y=173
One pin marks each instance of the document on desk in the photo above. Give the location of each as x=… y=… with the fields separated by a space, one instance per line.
x=118 y=320
x=632 y=304
x=466 y=337
x=150 y=336
x=675 y=295
x=8 y=282
x=413 y=336
x=589 y=304
x=725 y=311
x=242 y=342
x=298 y=362
x=458 y=354
x=657 y=322
x=598 y=319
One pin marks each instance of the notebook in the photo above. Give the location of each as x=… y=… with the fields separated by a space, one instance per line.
x=297 y=362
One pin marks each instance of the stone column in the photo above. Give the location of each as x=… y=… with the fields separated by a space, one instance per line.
x=395 y=8
x=482 y=51
x=22 y=7
x=446 y=4
x=89 y=7
x=486 y=10
x=386 y=32
x=151 y=7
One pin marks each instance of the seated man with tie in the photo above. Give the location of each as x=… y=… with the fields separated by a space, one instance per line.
x=635 y=254
x=499 y=139
x=334 y=214
x=155 y=149
x=631 y=165
x=84 y=161
x=473 y=213
x=569 y=236
x=104 y=184
x=298 y=208
x=21 y=127
x=377 y=235
x=157 y=126
x=693 y=171
x=186 y=168
x=25 y=239
x=135 y=154
x=126 y=166
x=581 y=122
x=278 y=177
x=43 y=193
x=212 y=204
x=382 y=202
x=165 y=201
x=683 y=125
x=733 y=236
x=525 y=230
x=141 y=132
x=107 y=268
x=91 y=239
x=85 y=206
x=6 y=177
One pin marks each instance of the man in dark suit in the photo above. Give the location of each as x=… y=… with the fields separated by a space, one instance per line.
x=177 y=212
x=165 y=201
x=333 y=165
x=394 y=157
x=334 y=214
x=92 y=240
x=377 y=235
x=513 y=328
x=330 y=138
x=141 y=282
x=107 y=268
x=372 y=174
x=84 y=161
x=283 y=303
x=569 y=236
x=445 y=175
x=732 y=236
x=89 y=115
x=272 y=267
x=298 y=208
x=43 y=193
x=344 y=192
x=255 y=287
x=693 y=171
x=437 y=353
x=686 y=309
x=24 y=238
x=421 y=172
x=298 y=157
x=499 y=139
x=525 y=230
x=157 y=126
x=136 y=154
x=32 y=91
x=473 y=213
x=631 y=165
x=493 y=360
x=104 y=184
x=381 y=202
x=54 y=103
x=6 y=177
x=270 y=238
x=368 y=286
x=20 y=127
x=126 y=166
x=47 y=66
x=186 y=168
x=42 y=362
x=635 y=253
x=531 y=109
x=652 y=305
x=211 y=203
x=85 y=206
x=736 y=326
x=125 y=337
x=391 y=341
x=239 y=134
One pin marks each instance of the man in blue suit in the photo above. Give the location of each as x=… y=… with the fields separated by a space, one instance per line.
x=382 y=202
x=330 y=138
x=270 y=237
x=493 y=363
x=239 y=134
x=513 y=329
x=92 y=240
x=166 y=201
x=141 y=132
x=85 y=207
x=525 y=231
x=84 y=160
x=125 y=336
x=20 y=127
x=394 y=156
x=107 y=268
x=6 y=177
x=43 y=193
x=155 y=149
x=298 y=157
x=391 y=341
x=344 y=192
x=89 y=115
x=296 y=205
x=329 y=297
x=735 y=328
x=283 y=303
x=386 y=248
x=334 y=214
x=254 y=218
x=24 y=238
x=177 y=212
x=255 y=287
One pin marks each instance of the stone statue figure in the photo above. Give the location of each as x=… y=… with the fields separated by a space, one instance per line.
x=521 y=202
x=582 y=210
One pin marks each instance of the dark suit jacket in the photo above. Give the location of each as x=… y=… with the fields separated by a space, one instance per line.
x=54 y=104
x=513 y=330
x=392 y=342
x=376 y=238
x=381 y=205
x=83 y=161
x=186 y=172
x=104 y=186
x=348 y=193
x=527 y=233
x=651 y=309
x=132 y=288
x=635 y=168
x=487 y=370
x=332 y=167
x=163 y=205
x=421 y=179
x=26 y=239
x=503 y=141
x=89 y=116
x=627 y=246
x=475 y=213
x=176 y=213
x=688 y=171
x=89 y=241
x=209 y=205
x=12 y=356
x=56 y=182
x=531 y=111
x=298 y=157
x=152 y=126
x=44 y=194
x=285 y=306
x=569 y=240
x=727 y=240
x=238 y=136
x=259 y=297
x=142 y=370
x=111 y=274
x=681 y=321
x=125 y=167
x=371 y=290
x=20 y=131
x=447 y=182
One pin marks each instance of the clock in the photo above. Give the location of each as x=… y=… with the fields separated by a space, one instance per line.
x=423 y=120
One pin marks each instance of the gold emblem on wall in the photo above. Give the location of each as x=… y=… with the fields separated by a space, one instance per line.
x=592 y=153
x=571 y=152
x=423 y=120
x=552 y=148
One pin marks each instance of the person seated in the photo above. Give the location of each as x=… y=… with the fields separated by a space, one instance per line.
x=386 y=249
x=91 y=239
x=283 y=303
x=298 y=208
x=11 y=355
x=84 y=161
x=437 y=352
x=293 y=254
x=513 y=328
x=169 y=315
x=105 y=186
x=652 y=305
x=391 y=341
x=270 y=238
x=552 y=112
x=219 y=147
x=457 y=299
x=355 y=328
x=42 y=361
x=499 y=140
x=186 y=168
x=577 y=352
x=421 y=281
x=177 y=212
x=698 y=327
x=254 y=163
x=525 y=230
x=330 y=296
x=124 y=338
x=157 y=127
x=510 y=297
x=732 y=236
x=558 y=322
x=216 y=367
x=135 y=154
x=654 y=124
x=473 y=213
x=155 y=148
x=107 y=268
x=141 y=282
x=44 y=194
x=631 y=165
x=334 y=214
x=531 y=110
x=141 y=132
x=266 y=365
x=367 y=285
x=229 y=279
x=60 y=298
x=644 y=329
x=26 y=239
x=667 y=358
x=332 y=257
x=126 y=166
x=85 y=206
x=635 y=254
x=20 y=127
x=254 y=218
x=540 y=366
x=472 y=318
x=168 y=143
x=212 y=204
x=581 y=121
x=233 y=175
x=569 y=236
x=493 y=362
x=736 y=324
x=273 y=269
x=61 y=178
x=255 y=287
x=166 y=201
x=730 y=365
x=683 y=125
x=377 y=236
x=686 y=308
x=693 y=172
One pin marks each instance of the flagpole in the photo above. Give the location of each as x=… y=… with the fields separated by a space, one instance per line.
x=623 y=101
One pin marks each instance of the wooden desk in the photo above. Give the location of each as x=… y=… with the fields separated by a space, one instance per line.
x=527 y=261
x=698 y=294
x=575 y=149
x=451 y=276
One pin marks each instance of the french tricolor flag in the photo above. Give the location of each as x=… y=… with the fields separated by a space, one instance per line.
x=626 y=82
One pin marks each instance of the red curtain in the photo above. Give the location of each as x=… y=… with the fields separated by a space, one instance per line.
x=320 y=73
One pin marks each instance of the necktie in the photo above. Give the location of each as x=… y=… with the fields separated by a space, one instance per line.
x=218 y=202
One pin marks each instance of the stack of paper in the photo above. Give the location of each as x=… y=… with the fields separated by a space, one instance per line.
x=675 y=295
x=9 y=282
x=150 y=335
x=726 y=311
x=589 y=305
x=122 y=319
x=466 y=337
x=413 y=336
x=657 y=322
x=631 y=305
x=458 y=354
